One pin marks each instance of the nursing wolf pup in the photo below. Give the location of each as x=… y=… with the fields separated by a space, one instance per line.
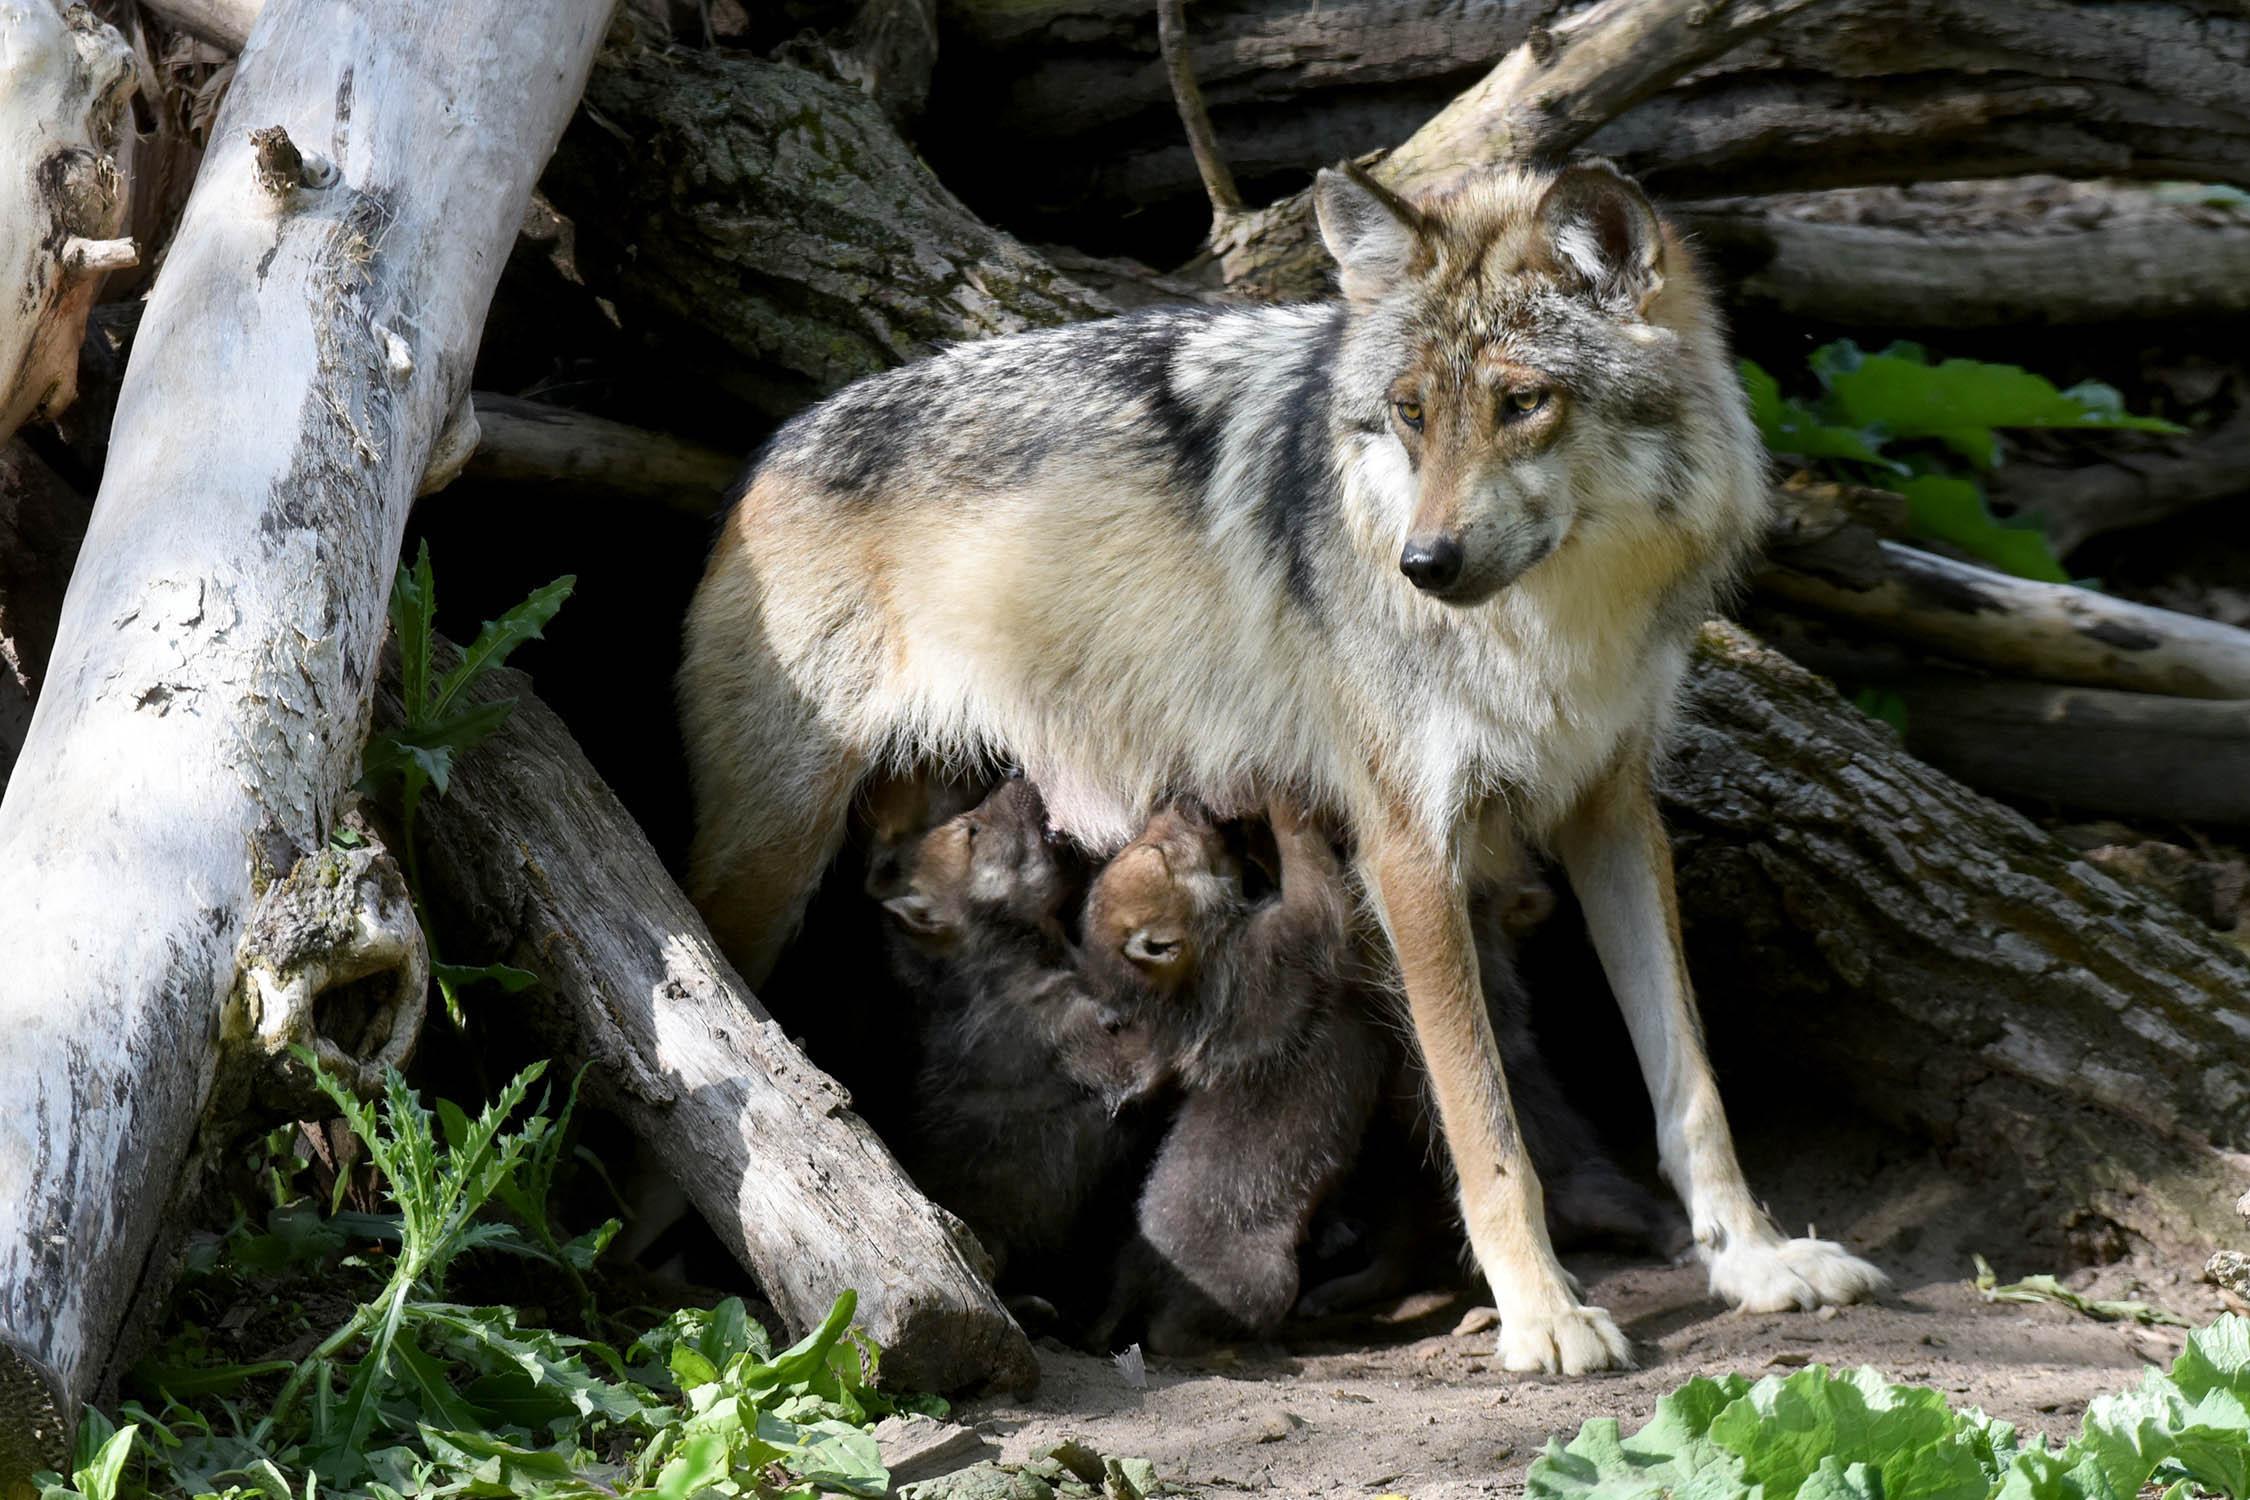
x=1429 y=557
x=1024 y=1074
x=1255 y=1016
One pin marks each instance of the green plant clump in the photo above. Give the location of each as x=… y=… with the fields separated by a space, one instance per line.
x=413 y=1395
x=440 y=723
x=1822 y=1435
x=1896 y=420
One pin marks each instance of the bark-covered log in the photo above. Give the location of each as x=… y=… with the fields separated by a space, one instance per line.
x=778 y=232
x=64 y=80
x=2161 y=263
x=1544 y=98
x=1946 y=963
x=2135 y=481
x=2132 y=755
x=530 y=857
x=209 y=685
x=1851 y=91
x=531 y=443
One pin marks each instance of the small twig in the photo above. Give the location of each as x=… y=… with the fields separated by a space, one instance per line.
x=1218 y=181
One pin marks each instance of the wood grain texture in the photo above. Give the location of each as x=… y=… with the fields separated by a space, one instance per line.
x=209 y=685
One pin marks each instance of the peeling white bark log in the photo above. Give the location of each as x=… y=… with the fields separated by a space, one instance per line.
x=64 y=80
x=2051 y=631
x=210 y=681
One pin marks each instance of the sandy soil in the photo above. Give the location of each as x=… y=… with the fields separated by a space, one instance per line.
x=1398 y=1402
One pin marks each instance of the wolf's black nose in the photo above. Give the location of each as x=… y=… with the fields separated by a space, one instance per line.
x=1432 y=564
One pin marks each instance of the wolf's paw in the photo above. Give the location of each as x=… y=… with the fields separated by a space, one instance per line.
x=1781 y=1274
x=1574 y=1341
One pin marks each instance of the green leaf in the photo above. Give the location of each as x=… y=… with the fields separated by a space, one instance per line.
x=1953 y=510
x=413 y=609
x=1788 y=426
x=461 y=976
x=1961 y=401
x=501 y=637
x=1782 y=1429
x=428 y=748
x=498 y=1467
x=2216 y=1358
x=425 y=1380
x=701 y=1463
x=102 y=1461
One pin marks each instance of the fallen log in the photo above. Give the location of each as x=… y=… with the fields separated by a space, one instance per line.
x=64 y=80
x=2050 y=631
x=2145 y=267
x=532 y=443
x=776 y=229
x=2131 y=755
x=2133 y=481
x=1852 y=91
x=1943 y=963
x=529 y=856
x=1545 y=97
x=208 y=690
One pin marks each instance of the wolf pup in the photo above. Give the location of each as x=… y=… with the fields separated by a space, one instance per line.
x=1024 y=1074
x=1279 y=1060
x=1429 y=557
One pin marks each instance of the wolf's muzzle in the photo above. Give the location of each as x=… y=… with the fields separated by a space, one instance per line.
x=1432 y=564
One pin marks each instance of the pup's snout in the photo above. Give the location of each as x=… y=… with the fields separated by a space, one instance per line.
x=1432 y=564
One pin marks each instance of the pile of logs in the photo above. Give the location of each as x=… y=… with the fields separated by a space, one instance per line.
x=761 y=227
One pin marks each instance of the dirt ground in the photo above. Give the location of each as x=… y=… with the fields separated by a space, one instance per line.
x=1397 y=1402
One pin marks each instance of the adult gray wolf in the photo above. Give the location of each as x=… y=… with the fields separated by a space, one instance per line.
x=1427 y=558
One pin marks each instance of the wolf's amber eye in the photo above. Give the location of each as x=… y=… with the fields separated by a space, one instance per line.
x=1410 y=412
x=1526 y=400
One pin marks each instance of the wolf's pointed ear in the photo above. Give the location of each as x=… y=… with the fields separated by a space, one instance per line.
x=1370 y=230
x=916 y=913
x=1598 y=225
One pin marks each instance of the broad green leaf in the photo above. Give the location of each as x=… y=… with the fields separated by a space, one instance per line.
x=2042 y=1475
x=701 y=1462
x=1953 y=510
x=1833 y=1479
x=2216 y=1358
x=500 y=637
x=425 y=1380
x=498 y=1467
x=1790 y=427
x=1782 y=1429
x=1961 y=401
x=98 y=1470
x=1598 y=1465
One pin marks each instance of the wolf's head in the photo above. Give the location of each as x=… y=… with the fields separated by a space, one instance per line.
x=1153 y=907
x=1538 y=349
x=995 y=861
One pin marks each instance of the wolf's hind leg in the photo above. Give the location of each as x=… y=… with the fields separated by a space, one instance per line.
x=1620 y=864
x=1423 y=903
x=769 y=820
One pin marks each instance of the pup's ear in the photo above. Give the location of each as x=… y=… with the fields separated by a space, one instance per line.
x=1598 y=225
x=1155 y=948
x=916 y=913
x=1370 y=230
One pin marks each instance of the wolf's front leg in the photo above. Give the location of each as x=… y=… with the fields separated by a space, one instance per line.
x=1620 y=864
x=1423 y=902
